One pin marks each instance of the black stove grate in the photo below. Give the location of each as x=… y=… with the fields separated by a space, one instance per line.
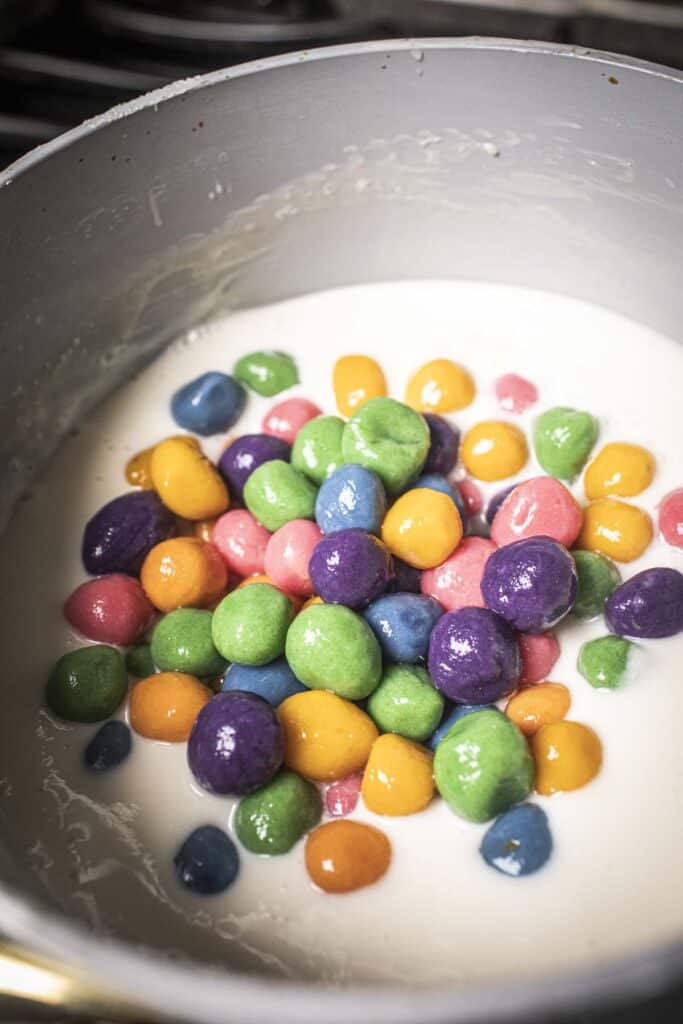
x=62 y=61
x=74 y=60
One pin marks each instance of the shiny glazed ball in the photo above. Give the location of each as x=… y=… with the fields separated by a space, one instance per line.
x=119 y=536
x=531 y=583
x=473 y=656
x=247 y=453
x=236 y=745
x=350 y=567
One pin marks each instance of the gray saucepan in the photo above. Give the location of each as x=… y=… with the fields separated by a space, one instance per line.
x=115 y=238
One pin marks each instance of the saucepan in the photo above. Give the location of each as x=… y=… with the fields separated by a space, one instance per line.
x=527 y=164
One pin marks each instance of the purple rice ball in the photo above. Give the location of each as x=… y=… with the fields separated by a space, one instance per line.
x=350 y=567
x=119 y=537
x=247 y=453
x=444 y=442
x=473 y=656
x=236 y=744
x=496 y=501
x=406 y=580
x=648 y=606
x=531 y=583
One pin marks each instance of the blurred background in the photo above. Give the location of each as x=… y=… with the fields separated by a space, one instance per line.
x=62 y=61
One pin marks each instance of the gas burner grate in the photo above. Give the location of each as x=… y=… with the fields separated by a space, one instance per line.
x=62 y=61
x=206 y=30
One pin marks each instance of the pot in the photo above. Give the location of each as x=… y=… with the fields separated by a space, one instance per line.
x=528 y=164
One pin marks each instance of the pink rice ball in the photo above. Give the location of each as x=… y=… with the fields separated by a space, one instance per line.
x=341 y=797
x=242 y=542
x=515 y=393
x=471 y=496
x=286 y=419
x=456 y=582
x=287 y=556
x=540 y=507
x=539 y=654
x=671 y=518
x=110 y=609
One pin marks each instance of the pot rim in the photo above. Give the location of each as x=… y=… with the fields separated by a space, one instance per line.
x=193 y=992
x=398 y=45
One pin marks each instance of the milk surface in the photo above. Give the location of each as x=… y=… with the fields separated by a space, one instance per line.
x=104 y=846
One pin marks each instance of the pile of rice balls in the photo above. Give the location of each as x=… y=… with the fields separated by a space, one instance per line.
x=331 y=614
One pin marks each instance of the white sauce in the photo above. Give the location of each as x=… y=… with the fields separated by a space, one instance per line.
x=105 y=844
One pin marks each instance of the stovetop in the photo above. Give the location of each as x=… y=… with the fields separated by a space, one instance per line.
x=62 y=61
